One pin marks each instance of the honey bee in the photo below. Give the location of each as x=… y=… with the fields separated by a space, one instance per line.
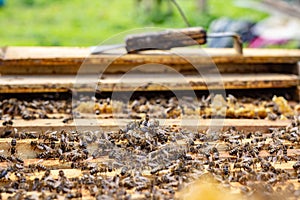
x=6 y=133
x=296 y=166
x=13 y=149
x=39 y=167
x=3 y=158
x=124 y=171
x=4 y=173
x=7 y=122
x=74 y=195
x=226 y=170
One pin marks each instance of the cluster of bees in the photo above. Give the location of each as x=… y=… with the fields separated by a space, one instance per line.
x=206 y=107
x=146 y=161
x=33 y=109
x=214 y=106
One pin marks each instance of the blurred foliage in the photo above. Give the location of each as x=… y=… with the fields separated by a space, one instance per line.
x=85 y=23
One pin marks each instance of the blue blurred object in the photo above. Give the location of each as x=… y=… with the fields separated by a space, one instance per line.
x=2 y=2
x=242 y=27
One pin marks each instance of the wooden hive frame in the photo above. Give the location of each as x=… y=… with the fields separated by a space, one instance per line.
x=57 y=68
x=53 y=69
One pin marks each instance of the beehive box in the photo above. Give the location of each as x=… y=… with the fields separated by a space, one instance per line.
x=148 y=147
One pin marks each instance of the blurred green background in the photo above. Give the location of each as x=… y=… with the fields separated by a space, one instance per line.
x=86 y=23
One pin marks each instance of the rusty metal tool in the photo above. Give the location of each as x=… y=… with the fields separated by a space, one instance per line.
x=166 y=40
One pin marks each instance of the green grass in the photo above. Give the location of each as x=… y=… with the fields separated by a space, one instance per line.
x=86 y=23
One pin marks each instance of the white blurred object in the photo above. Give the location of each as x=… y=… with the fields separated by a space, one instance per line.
x=283 y=24
x=278 y=27
x=273 y=7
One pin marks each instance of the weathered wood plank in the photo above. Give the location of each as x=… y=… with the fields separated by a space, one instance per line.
x=73 y=173
x=142 y=82
x=155 y=68
x=55 y=164
x=26 y=151
x=68 y=60
x=218 y=55
x=115 y=124
x=42 y=195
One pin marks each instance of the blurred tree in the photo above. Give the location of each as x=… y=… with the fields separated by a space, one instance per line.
x=202 y=5
x=2 y=3
x=29 y=2
x=156 y=10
